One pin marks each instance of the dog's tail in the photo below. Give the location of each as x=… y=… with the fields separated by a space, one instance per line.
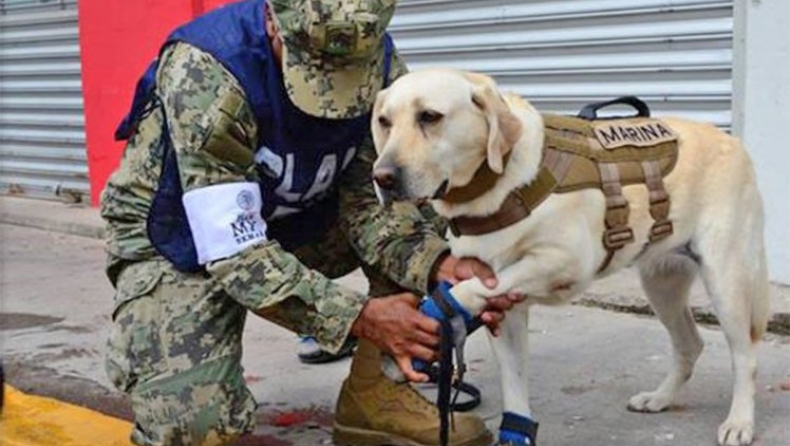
x=761 y=301
x=759 y=287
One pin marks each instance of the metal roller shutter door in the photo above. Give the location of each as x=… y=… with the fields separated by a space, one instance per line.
x=561 y=54
x=42 y=135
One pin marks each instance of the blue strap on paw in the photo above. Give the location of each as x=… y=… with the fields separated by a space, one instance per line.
x=517 y=430
x=442 y=306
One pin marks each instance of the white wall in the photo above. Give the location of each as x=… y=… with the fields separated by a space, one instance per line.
x=761 y=114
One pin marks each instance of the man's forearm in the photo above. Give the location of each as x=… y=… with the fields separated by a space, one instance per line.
x=275 y=285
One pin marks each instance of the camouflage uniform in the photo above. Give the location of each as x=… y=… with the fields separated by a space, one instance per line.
x=176 y=339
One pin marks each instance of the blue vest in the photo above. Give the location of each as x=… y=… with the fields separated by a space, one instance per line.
x=300 y=157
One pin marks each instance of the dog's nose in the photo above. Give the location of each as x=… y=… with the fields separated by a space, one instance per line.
x=385 y=177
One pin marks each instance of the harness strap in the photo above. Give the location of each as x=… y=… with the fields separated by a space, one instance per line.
x=554 y=166
x=453 y=339
x=520 y=203
x=444 y=381
x=512 y=210
x=617 y=233
x=456 y=323
x=444 y=305
x=659 y=202
x=482 y=181
x=474 y=394
x=558 y=162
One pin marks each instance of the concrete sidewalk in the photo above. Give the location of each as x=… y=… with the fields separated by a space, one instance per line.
x=620 y=292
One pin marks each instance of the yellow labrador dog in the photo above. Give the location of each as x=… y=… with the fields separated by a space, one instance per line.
x=434 y=129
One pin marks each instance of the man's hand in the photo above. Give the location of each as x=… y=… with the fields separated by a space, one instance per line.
x=453 y=269
x=395 y=325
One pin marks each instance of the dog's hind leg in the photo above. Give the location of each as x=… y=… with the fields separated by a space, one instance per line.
x=735 y=275
x=666 y=282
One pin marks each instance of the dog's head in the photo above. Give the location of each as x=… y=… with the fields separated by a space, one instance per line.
x=433 y=129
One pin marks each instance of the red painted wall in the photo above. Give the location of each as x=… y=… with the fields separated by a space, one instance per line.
x=118 y=39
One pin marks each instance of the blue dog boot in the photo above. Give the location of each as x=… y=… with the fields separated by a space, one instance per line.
x=517 y=430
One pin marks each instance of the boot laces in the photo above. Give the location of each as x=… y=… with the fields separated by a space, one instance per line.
x=418 y=399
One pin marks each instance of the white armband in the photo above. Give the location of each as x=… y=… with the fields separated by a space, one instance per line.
x=224 y=219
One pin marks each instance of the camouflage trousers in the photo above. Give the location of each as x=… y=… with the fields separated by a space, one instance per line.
x=175 y=347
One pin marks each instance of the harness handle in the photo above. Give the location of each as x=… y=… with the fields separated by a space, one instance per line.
x=590 y=111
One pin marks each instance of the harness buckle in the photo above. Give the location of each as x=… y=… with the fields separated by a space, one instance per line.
x=660 y=230
x=617 y=212
x=458 y=373
x=659 y=207
x=616 y=238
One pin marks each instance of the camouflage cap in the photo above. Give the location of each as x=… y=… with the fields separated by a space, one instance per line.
x=333 y=56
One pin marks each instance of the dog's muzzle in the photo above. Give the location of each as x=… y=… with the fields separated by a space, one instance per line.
x=387 y=182
x=386 y=177
x=390 y=186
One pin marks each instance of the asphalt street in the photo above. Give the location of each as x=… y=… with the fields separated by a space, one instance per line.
x=586 y=362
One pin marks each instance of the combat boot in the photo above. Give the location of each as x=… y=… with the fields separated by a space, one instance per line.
x=373 y=410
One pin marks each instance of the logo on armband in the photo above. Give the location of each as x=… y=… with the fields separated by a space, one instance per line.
x=245 y=200
x=246 y=227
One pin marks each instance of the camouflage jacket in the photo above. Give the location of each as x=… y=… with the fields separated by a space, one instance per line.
x=193 y=90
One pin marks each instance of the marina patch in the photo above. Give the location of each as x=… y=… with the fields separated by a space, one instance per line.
x=637 y=132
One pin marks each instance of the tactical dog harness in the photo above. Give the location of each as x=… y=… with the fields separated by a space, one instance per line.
x=588 y=152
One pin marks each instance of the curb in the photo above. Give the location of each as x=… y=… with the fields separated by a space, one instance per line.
x=54 y=216
x=72 y=228
x=31 y=420
x=778 y=324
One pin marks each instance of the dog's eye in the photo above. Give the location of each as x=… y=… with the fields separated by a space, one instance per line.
x=429 y=117
x=384 y=122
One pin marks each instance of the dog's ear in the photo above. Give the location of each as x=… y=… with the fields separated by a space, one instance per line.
x=504 y=128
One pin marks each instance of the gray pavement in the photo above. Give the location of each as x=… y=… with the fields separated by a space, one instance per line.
x=586 y=362
x=68 y=218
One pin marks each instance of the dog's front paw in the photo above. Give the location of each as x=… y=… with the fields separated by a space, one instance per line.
x=517 y=430
x=736 y=433
x=649 y=402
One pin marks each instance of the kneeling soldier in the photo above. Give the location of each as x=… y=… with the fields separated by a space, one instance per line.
x=246 y=185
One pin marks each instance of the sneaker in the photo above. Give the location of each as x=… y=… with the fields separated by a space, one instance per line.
x=310 y=352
